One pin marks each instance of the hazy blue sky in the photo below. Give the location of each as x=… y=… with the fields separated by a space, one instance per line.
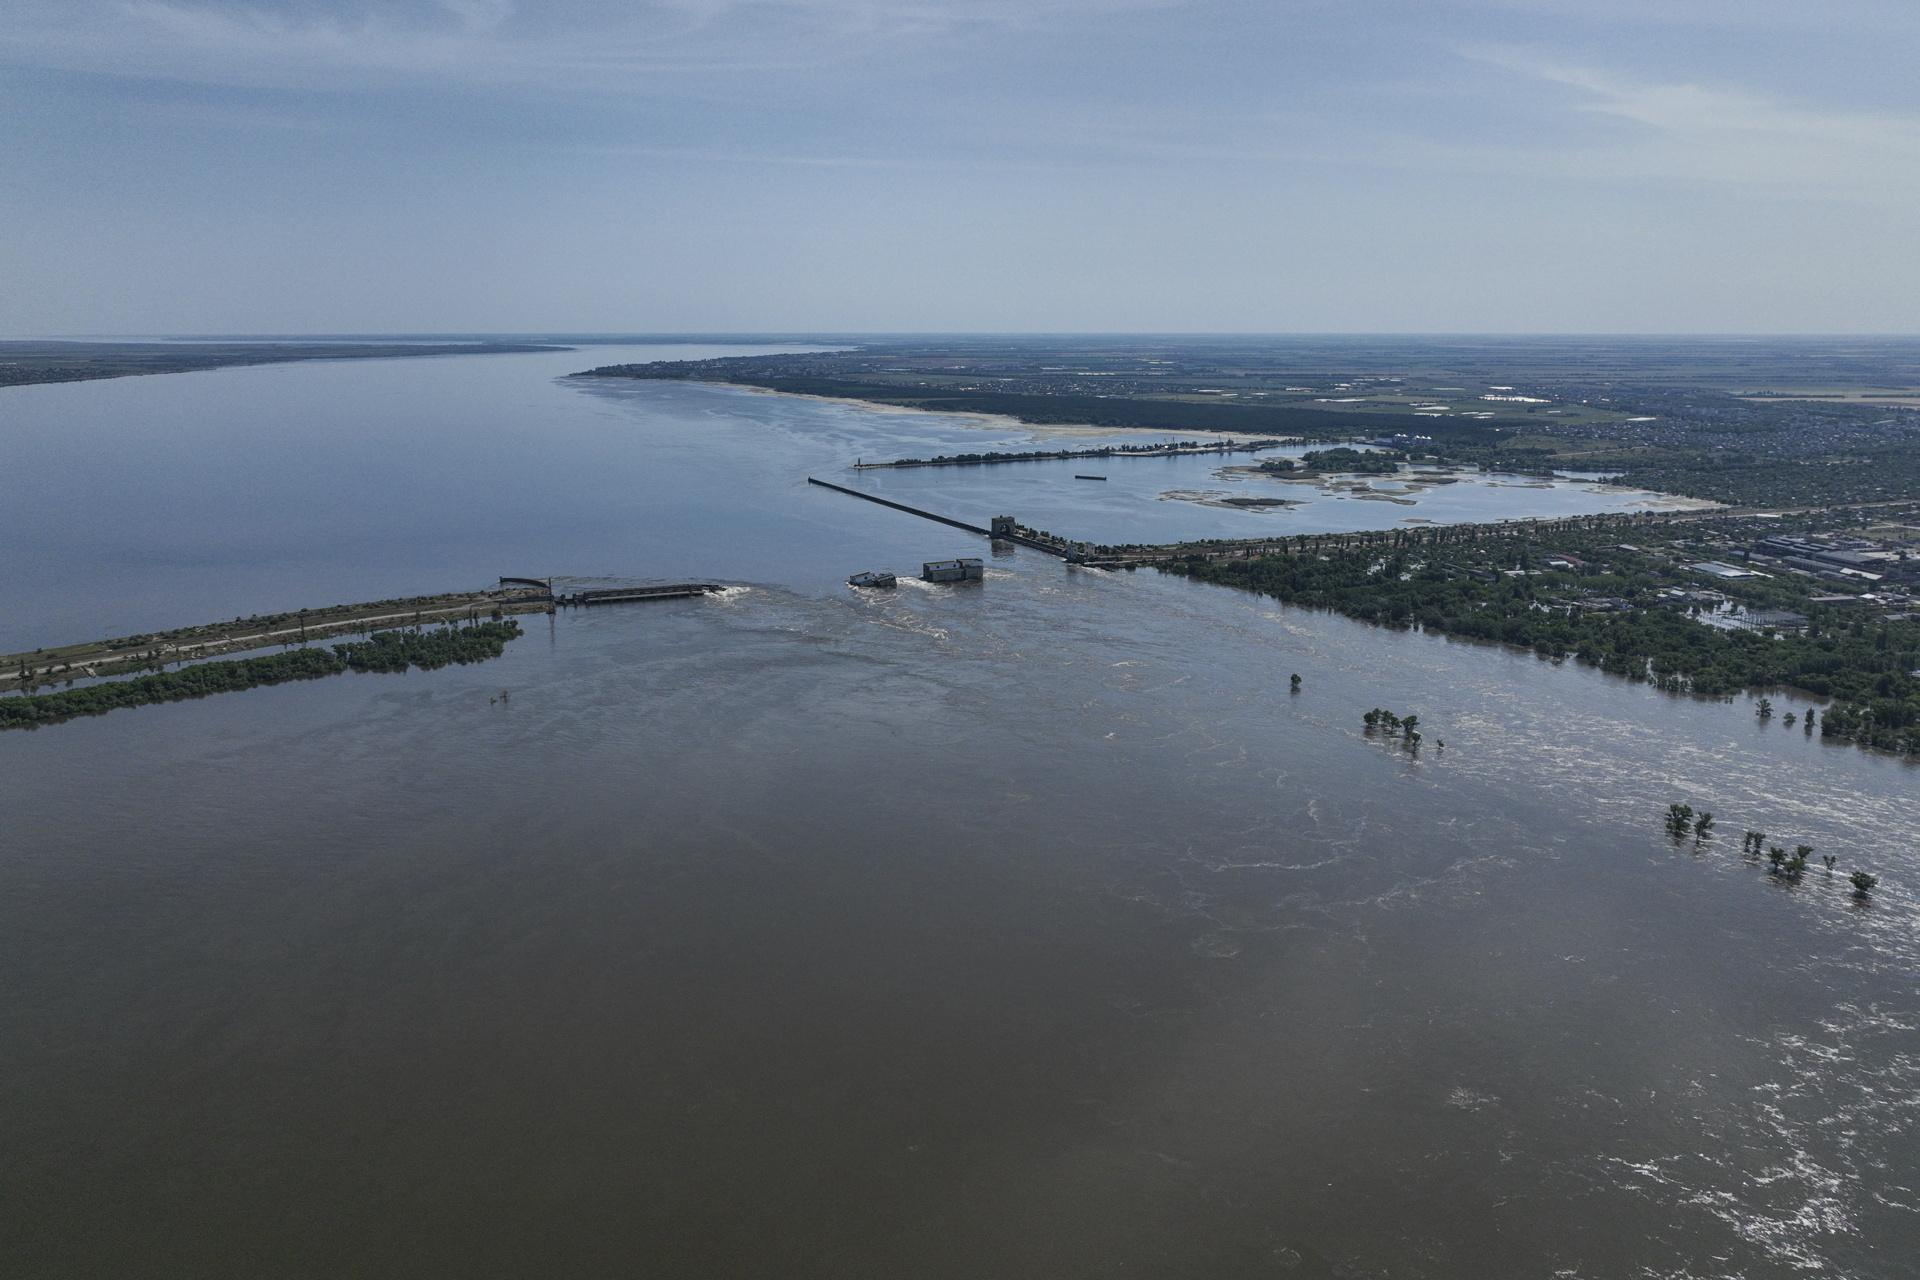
x=1486 y=165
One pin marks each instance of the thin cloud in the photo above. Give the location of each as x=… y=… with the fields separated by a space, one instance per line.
x=1720 y=134
x=584 y=44
x=1741 y=15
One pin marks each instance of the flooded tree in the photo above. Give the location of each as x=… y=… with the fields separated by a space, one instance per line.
x=1384 y=720
x=1864 y=883
x=1788 y=866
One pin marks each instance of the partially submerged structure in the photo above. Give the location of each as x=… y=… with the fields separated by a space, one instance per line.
x=965 y=569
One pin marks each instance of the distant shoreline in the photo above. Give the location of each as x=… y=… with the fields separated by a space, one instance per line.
x=37 y=363
x=983 y=421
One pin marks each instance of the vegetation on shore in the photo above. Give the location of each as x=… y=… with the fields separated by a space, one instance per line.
x=1157 y=449
x=386 y=651
x=1360 y=462
x=1671 y=416
x=1857 y=473
x=1631 y=612
x=154 y=651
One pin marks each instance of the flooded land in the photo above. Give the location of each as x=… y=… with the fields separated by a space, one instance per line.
x=1033 y=927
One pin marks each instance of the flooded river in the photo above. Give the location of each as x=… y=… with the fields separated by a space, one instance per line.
x=1031 y=928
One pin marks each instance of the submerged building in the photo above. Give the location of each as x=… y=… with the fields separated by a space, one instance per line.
x=965 y=569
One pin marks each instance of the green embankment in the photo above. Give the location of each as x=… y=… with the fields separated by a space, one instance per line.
x=388 y=651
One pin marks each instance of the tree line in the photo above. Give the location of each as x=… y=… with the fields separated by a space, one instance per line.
x=386 y=651
x=1866 y=667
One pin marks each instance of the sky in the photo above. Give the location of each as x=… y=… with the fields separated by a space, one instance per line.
x=868 y=166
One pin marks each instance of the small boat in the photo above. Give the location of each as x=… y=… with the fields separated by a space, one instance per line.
x=872 y=578
x=1089 y=477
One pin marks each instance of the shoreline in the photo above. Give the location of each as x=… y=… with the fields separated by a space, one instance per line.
x=972 y=418
x=1654 y=501
x=121 y=655
x=69 y=361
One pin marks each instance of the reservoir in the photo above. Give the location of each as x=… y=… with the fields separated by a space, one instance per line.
x=1023 y=928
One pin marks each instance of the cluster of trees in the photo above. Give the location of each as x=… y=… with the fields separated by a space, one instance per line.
x=1381 y=721
x=1381 y=462
x=428 y=649
x=1722 y=447
x=1506 y=539
x=1680 y=820
x=1867 y=667
x=385 y=651
x=1055 y=455
x=1761 y=480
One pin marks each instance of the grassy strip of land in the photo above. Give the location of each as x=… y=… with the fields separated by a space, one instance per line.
x=389 y=651
x=152 y=651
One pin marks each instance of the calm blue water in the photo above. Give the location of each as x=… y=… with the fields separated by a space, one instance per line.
x=137 y=503
x=134 y=504
x=1028 y=929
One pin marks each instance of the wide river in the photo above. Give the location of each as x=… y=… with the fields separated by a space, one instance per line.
x=1028 y=929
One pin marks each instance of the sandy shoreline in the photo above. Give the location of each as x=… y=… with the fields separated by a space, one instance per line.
x=1662 y=501
x=986 y=421
x=1228 y=502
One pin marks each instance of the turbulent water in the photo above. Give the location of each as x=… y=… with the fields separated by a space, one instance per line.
x=1031 y=928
